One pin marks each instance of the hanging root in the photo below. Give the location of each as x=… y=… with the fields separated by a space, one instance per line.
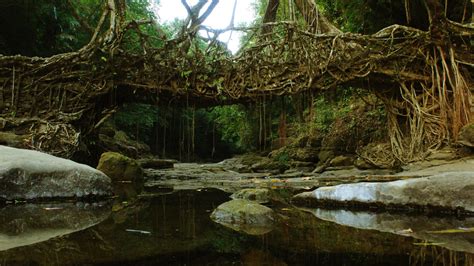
x=429 y=114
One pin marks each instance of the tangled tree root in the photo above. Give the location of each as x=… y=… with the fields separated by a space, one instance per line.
x=379 y=155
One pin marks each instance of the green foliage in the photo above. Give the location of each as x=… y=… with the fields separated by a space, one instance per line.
x=363 y=16
x=152 y=33
x=45 y=27
x=138 y=120
x=283 y=158
x=234 y=126
x=326 y=112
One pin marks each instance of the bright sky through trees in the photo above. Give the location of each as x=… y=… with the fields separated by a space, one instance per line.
x=220 y=18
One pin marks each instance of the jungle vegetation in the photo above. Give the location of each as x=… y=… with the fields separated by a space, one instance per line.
x=177 y=91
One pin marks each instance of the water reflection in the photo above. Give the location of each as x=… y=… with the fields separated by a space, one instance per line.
x=451 y=233
x=27 y=224
x=175 y=229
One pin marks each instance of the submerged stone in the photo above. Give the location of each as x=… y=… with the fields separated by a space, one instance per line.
x=244 y=215
x=27 y=174
x=453 y=191
x=120 y=167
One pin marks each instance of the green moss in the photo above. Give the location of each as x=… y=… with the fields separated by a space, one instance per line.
x=119 y=167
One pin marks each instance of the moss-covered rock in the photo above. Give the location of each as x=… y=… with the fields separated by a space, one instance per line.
x=466 y=135
x=325 y=155
x=342 y=160
x=291 y=153
x=269 y=165
x=111 y=139
x=12 y=140
x=120 y=167
x=244 y=215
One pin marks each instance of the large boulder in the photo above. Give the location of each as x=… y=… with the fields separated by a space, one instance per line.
x=452 y=190
x=27 y=174
x=244 y=215
x=120 y=167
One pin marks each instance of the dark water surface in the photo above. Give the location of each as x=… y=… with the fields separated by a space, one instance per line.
x=175 y=229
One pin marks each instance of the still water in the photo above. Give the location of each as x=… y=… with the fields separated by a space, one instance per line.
x=175 y=229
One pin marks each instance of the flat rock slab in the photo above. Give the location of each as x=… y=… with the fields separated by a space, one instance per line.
x=27 y=174
x=454 y=190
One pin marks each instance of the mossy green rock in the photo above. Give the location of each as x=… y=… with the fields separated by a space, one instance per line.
x=12 y=140
x=120 y=167
x=244 y=215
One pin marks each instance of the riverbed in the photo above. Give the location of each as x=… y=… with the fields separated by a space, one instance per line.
x=174 y=228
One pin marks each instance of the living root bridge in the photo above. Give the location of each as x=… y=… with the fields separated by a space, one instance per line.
x=423 y=77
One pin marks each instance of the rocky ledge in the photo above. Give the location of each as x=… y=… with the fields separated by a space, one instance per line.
x=451 y=191
x=31 y=175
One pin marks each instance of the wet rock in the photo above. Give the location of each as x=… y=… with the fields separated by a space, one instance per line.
x=306 y=155
x=114 y=140
x=452 y=191
x=260 y=195
x=124 y=139
x=33 y=223
x=269 y=165
x=244 y=215
x=239 y=164
x=12 y=139
x=108 y=143
x=445 y=154
x=253 y=163
x=156 y=163
x=378 y=155
x=26 y=174
x=301 y=154
x=435 y=167
x=325 y=155
x=341 y=160
x=362 y=164
x=466 y=135
x=120 y=167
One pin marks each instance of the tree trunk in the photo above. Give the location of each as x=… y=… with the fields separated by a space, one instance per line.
x=316 y=22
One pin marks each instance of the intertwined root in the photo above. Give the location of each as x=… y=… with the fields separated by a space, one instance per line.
x=429 y=113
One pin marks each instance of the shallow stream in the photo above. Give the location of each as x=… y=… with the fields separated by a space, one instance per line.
x=175 y=229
